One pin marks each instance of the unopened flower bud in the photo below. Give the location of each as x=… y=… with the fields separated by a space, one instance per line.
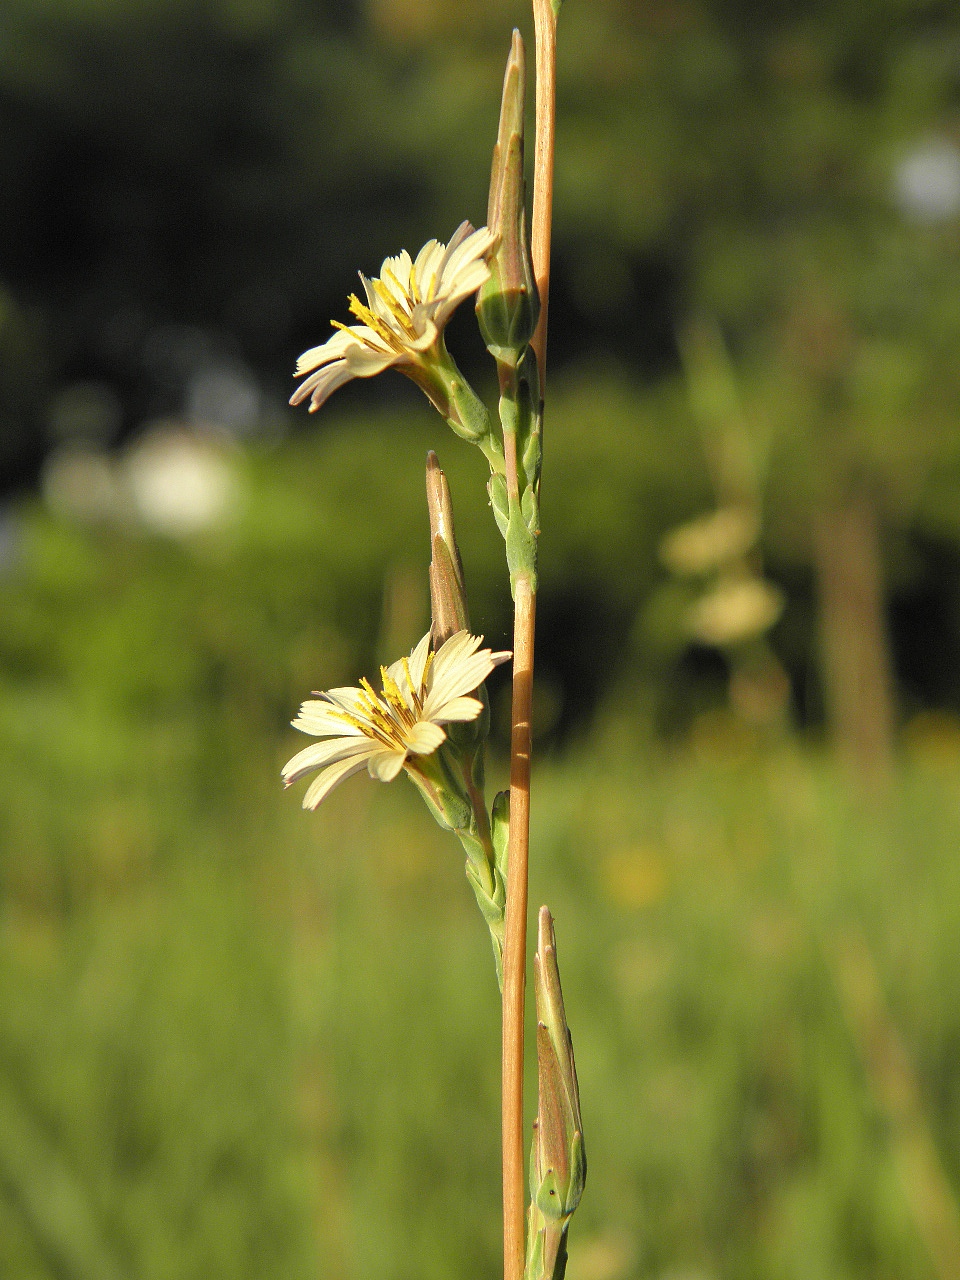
x=448 y=600
x=508 y=304
x=559 y=1165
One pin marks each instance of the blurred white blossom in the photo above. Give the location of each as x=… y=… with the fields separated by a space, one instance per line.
x=927 y=182
x=736 y=609
x=180 y=482
x=710 y=541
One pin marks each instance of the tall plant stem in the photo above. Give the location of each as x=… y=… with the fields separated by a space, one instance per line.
x=515 y=933
x=515 y=925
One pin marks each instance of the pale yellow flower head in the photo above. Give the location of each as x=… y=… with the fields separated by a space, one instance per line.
x=710 y=541
x=402 y=321
x=737 y=609
x=382 y=731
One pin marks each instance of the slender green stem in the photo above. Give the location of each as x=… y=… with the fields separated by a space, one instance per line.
x=482 y=820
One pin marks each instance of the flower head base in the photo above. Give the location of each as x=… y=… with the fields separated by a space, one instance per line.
x=402 y=321
x=383 y=731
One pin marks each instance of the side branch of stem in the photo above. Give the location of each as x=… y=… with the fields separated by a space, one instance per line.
x=545 y=27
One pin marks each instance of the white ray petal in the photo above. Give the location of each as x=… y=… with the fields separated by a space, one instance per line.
x=373 y=302
x=332 y=349
x=395 y=278
x=454 y=650
x=415 y=663
x=462 y=233
x=347 y=696
x=385 y=765
x=396 y=673
x=418 y=661
x=331 y=777
x=424 y=738
x=466 y=254
x=427 y=269
x=427 y=338
x=430 y=250
x=464 y=678
x=322 y=384
x=365 y=362
x=469 y=282
x=322 y=720
x=319 y=754
x=459 y=709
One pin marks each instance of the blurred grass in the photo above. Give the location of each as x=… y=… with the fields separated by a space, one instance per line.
x=237 y=1040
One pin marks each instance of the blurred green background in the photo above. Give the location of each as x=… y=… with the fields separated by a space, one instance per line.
x=240 y=1042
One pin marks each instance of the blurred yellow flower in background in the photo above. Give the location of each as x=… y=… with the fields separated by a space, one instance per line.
x=634 y=876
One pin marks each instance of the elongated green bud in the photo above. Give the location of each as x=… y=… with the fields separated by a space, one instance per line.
x=558 y=1162
x=448 y=600
x=508 y=304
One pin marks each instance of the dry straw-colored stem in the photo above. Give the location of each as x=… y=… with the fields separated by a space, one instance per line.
x=545 y=27
x=515 y=932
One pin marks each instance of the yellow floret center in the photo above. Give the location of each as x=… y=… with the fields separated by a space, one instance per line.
x=398 y=332
x=398 y=335
x=389 y=718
